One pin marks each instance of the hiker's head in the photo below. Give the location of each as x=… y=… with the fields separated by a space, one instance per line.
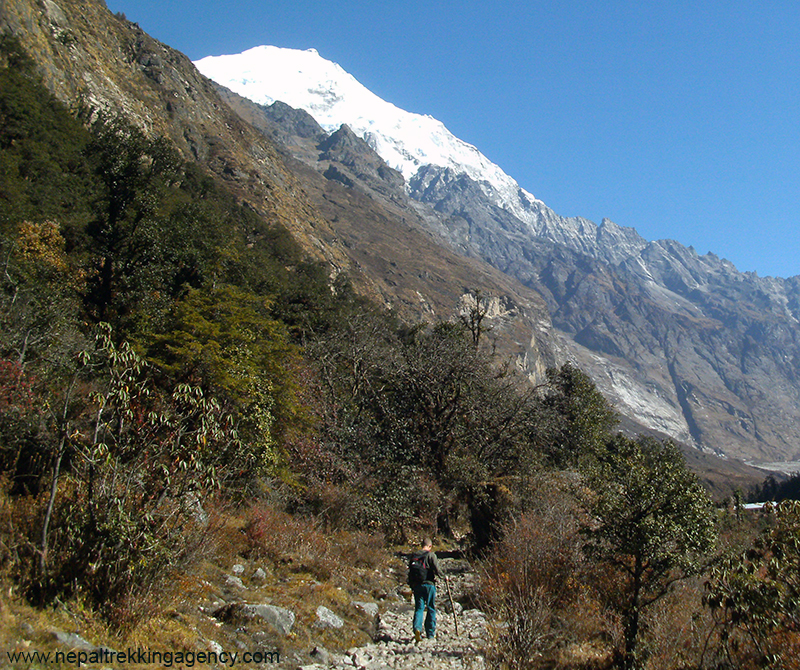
x=427 y=544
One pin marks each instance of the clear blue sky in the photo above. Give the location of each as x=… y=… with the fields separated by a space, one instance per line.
x=680 y=118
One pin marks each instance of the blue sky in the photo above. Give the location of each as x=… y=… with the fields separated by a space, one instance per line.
x=679 y=118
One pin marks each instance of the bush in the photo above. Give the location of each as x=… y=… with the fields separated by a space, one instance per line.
x=300 y=545
x=536 y=581
x=754 y=598
x=125 y=468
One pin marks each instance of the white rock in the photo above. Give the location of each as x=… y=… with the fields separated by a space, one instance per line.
x=234 y=581
x=327 y=619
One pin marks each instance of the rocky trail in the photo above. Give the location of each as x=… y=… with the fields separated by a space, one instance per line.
x=394 y=646
x=237 y=615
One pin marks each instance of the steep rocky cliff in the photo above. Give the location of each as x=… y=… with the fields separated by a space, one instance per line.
x=91 y=58
x=684 y=343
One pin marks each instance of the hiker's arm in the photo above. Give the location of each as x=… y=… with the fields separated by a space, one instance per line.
x=435 y=565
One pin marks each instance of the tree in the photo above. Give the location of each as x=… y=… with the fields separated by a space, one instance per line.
x=578 y=419
x=40 y=339
x=449 y=407
x=225 y=341
x=135 y=173
x=650 y=522
x=754 y=597
x=426 y=409
x=43 y=174
x=475 y=308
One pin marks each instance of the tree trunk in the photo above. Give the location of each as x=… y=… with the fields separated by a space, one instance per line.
x=51 y=504
x=632 y=619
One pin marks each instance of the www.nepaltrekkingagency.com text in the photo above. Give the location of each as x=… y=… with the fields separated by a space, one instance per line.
x=139 y=656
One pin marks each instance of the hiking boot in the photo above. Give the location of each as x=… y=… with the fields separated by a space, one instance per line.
x=417 y=636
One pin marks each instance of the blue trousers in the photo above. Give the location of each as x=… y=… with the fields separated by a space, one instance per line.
x=424 y=599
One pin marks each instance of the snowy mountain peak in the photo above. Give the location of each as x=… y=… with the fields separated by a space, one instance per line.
x=406 y=141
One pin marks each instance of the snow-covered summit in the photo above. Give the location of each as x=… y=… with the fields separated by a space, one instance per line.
x=406 y=141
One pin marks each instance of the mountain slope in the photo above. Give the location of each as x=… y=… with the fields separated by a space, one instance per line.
x=389 y=236
x=683 y=344
x=88 y=56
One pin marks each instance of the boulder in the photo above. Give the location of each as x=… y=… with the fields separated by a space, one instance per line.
x=370 y=609
x=73 y=641
x=327 y=619
x=279 y=618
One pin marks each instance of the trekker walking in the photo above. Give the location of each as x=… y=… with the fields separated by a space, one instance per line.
x=423 y=569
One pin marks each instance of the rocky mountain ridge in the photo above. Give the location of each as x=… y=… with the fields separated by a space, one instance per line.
x=406 y=141
x=685 y=343
x=682 y=343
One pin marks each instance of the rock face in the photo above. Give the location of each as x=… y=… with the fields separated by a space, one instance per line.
x=684 y=344
x=346 y=149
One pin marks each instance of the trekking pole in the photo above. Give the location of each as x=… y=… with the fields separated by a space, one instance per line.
x=453 y=607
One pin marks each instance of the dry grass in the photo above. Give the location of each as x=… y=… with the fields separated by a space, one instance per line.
x=301 y=545
x=677 y=629
x=299 y=566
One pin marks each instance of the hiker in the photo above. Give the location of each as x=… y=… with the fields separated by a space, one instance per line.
x=423 y=568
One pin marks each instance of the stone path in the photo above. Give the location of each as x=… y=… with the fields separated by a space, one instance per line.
x=396 y=649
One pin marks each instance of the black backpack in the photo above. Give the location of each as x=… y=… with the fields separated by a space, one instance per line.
x=418 y=568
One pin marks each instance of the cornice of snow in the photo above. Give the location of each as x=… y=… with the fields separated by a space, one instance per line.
x=406 y=141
